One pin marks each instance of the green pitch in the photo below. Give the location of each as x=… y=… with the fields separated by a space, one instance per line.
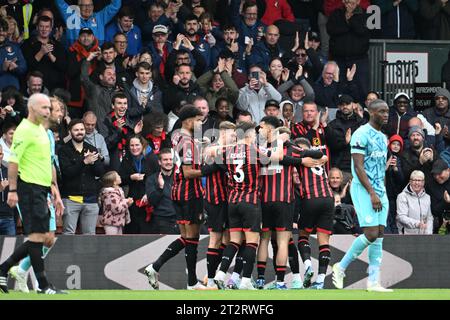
x=398 y=294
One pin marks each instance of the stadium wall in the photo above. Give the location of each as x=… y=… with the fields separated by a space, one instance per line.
x=117 y=262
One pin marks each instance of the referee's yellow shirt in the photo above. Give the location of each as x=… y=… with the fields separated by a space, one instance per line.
x=31 y=151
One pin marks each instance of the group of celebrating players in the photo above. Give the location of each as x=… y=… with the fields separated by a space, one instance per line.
x=249 y=198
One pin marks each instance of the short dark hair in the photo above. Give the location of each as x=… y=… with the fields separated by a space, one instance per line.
x=244 y=113
x=248 y=4
x=229 y=27
x=118 y=95
x=144 y=65
x=44 y=19
x=191 y=17
x=220 y=100
x=36 y=74
x=164 y=151
x=271 y=120
x=182 y=65
x=302 y=140
x=108 y=45
x=125 y=12
x=74 y=122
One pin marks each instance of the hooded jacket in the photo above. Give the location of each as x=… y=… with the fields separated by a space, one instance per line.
x=413 y=208
x=398 y=123
x=135 y=110
x=339 y=149
x=98 y=141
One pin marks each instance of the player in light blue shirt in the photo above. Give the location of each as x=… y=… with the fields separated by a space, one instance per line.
x=20 y=272
x=368 y=191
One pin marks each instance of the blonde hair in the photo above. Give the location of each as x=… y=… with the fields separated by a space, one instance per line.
x=109 y=178
x=227 y=125
x=16 y=34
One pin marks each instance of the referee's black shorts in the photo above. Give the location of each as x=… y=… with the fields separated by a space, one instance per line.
x=33 y=207
x=217 y=216
x=277 y=216
x=317 y=214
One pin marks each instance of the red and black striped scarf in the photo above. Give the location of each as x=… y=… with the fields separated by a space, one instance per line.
x=157 y=141
x=123 y=140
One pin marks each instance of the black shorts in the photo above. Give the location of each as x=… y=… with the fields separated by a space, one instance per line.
x=244 y=216
x=317 y=214
x=277 y=216
x=189 y=212
x=217 y=216
x=33 y=207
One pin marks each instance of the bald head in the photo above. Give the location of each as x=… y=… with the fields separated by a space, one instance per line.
x=272 y=35
x=90 y=121
x=39 y=108
x=377 y=104
x=415 y=122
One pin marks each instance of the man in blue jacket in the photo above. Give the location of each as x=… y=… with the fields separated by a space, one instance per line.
x=248 y=25
x=13 y=64
x=125 y=24
x=85 y=17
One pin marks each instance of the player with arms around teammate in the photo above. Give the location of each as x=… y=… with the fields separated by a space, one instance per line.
x=368 y=191
x=187 y=196
x=244 y=206
x=30 y=178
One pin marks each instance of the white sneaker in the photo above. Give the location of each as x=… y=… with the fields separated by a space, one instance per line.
x=20 y=278
x=376 y=287
x=212 y=286
x=338 y=276
x=152 y=276
x=246 y=285
x=197 y=286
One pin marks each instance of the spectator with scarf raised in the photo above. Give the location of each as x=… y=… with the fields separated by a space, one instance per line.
x=86 y=45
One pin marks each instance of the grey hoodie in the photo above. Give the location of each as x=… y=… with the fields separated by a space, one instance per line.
x=413 y=208
x=98 y=141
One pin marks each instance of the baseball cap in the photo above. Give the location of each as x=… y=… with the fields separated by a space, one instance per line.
x=312 y=35
x=272 y=103
x=439 y=166
x=86 y=30
x=160 y=28
x=344 y=99
x=401 y=94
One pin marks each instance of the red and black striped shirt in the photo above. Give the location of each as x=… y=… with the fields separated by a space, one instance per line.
x=186 y=153
x=314 y=183
x=276 y=181
x=216 y=186
x=316 y=137
x=243 y=164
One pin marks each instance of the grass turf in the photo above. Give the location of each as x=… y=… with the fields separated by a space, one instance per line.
x=398 y=294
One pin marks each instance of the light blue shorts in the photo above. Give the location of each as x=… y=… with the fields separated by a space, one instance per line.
x=52 y=224
x=367 y=216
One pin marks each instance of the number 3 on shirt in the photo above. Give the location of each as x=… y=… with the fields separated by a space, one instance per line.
x=239 y=176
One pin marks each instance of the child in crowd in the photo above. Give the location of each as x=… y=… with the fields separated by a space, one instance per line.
x=113 y=204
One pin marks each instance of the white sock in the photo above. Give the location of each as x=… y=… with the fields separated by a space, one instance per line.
x=220 y=275
x=210 y=282
x=320 y=277
x=21 y=271
x=297 y=277
x=245 y=280
x=307 y=263
x=235 y=277
x=280 y=283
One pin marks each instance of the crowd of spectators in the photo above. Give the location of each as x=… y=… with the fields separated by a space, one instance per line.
x=122 y=70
